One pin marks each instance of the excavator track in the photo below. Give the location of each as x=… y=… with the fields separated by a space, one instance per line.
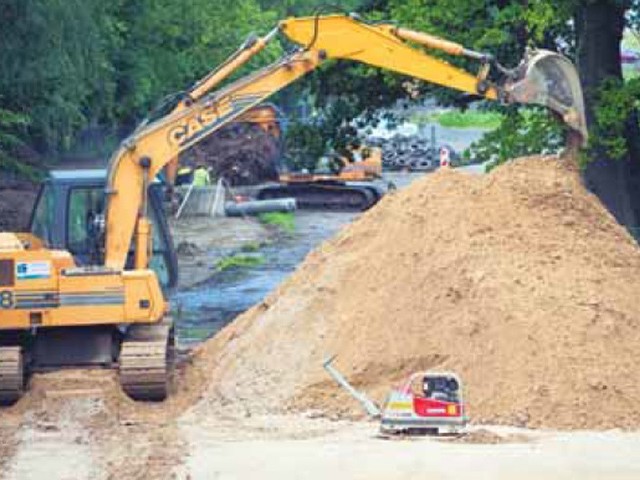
x=146 y=361
x=11 y=374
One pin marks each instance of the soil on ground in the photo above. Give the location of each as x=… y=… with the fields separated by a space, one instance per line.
x=520 y=281
x=241 y=153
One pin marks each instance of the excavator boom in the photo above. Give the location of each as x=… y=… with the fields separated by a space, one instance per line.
x=543 y=77
x=546 y=78
x=50 y=293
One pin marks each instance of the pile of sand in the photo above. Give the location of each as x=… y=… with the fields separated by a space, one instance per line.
x=519 y=281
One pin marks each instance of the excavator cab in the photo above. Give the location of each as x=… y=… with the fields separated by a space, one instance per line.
x=68 y=215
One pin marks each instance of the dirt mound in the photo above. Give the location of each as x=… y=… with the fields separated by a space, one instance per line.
x=242 y=153
x=519 y=281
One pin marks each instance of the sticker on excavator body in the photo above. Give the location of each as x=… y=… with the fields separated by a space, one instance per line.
x=33 y=270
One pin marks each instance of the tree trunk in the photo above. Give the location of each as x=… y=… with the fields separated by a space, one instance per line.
x=599 y=28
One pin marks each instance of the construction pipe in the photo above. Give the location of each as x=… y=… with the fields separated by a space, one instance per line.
x=256 y=207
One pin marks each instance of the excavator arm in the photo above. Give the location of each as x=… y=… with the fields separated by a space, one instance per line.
x=156 y=144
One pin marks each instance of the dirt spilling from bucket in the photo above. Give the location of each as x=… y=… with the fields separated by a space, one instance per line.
x=519 y=281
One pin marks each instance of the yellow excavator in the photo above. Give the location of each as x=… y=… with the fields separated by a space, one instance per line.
x=104 y=305
x=338 y=183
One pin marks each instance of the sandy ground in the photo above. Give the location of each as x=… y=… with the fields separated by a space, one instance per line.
x=354 y=451
x=77 y=425
x=292 y=447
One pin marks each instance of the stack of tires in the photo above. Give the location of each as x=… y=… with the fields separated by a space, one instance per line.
x=411 y=153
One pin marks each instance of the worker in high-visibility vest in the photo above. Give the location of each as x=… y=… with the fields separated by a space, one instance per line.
x=201 y=176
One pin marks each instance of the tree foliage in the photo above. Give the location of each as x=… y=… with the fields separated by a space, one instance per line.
x=522 y=132
x=615 y=102
x=70 y=64
x=12 y=126
x=52 y=65
x=66 y=65
x=167 y=45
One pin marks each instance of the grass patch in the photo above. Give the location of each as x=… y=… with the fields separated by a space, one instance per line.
x=239 y=261
x=285 y=221
x=457 y=119
x=196 y=333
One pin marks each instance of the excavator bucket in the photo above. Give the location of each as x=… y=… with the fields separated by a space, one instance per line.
x=550 y=79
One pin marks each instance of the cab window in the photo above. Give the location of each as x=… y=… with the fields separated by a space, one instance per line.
x=158 y=262
x=43 y=218
x=85 y=204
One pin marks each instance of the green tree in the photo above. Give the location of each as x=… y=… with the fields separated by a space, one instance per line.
x=167 y=45
x=613 y=170
x=52 y=65
x=286 y=8
x=12 y=126
x=70 y=64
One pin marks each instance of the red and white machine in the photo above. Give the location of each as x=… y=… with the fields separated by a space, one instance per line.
x=445 y=157
x=427 y=402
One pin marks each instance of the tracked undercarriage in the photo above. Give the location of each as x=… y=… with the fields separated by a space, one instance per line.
x=146 y=361
x=143 y=355
x=12 y=377
x=353 y=196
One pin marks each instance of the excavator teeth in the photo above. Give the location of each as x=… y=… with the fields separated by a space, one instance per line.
x=146 y=360
x=11 y=374
x=550 y=79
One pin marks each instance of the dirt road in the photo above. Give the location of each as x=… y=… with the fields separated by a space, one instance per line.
x=65 y=446
x=78 y=425
x=353 y=451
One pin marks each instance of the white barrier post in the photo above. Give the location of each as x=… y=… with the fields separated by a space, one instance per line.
x=184 y=202
x=217 y=208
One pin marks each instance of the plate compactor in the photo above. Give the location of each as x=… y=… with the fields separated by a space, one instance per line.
x=426 y=403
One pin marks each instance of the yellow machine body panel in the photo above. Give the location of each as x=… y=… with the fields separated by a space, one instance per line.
x=44 y=288
x=367 y=167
